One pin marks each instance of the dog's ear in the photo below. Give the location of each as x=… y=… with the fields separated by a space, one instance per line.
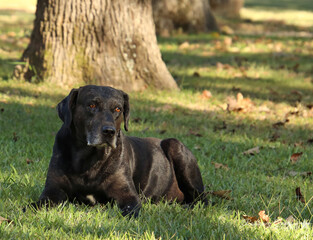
x=126 y=112
x=66 y=107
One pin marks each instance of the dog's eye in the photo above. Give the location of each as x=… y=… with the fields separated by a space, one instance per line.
x=92 y=105
x=117 y=109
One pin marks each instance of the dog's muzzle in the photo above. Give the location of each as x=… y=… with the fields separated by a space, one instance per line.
x=103 y=138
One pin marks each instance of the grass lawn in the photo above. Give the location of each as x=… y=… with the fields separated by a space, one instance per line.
x=261 y=83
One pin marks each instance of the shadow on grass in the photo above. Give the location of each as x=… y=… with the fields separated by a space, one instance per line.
x=19 y=91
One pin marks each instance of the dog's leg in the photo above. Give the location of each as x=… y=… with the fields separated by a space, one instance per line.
x=186 y=170
x=125 y=195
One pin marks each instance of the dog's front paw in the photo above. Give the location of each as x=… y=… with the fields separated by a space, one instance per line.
x=130 y=211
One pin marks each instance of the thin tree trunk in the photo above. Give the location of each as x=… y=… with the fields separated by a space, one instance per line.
x=106 y=42
x=189 y=15
x=227 y=8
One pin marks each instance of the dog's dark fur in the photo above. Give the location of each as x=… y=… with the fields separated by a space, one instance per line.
x=93 y=161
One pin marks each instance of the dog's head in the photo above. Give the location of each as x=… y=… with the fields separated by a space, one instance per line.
x=95 y=114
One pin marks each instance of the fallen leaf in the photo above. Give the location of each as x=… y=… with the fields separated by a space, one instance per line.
x=309 y=106
x=280 y=124
x=298 y=144
x=15 y=137
x=290 y=219
x=223 y=106
x=228 y=41
x=252 y=151
x=11 y=34
x=2 y=219
x=243 y=71
x=299 y=195
x=295 y=157
x=219 y=66
x=296 y=67
x=196 y=74
x=194 y=133
x=240 y=104
x=235 y=89
x=263 y=108
x=278 y=221
x=227 y=30
x=296 y=112
x=265 y=218
x=162 y=131
x=184 y=45
x=29 y=161
x=220 y=165
x=222 y=194
x=250 y=219
x=302 y=174
x=274 y=137
x=206 y=94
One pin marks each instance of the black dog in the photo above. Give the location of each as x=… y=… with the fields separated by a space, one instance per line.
x=93 y=161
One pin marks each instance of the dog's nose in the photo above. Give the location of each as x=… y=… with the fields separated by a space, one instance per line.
x=109 y=131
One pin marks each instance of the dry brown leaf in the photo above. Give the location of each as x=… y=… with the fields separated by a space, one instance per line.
x=264 y=108
x=309 y=106
x=299 y=195
x=15 y=137
x=252 y=151
x=220 y=165
x=228 y=41
x=280 y=124
x=206 y=94
x=222 y=194
x=290 y=219
x=29 y=161
x=240 y=104
x=295 y=157
x=227 y=30
x=2 y=219
x=250 y=219
x=194 y=133
x=219 y=66
x=196 y=74
x=274 y=137
x=298 y=144
x=278 y=221
x=265 y=218
x=184 y=45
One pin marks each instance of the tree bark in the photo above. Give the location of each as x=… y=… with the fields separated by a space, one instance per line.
x=189 y=15
x=105 y=42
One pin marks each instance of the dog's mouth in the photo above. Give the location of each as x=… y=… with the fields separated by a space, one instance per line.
x=98 y=142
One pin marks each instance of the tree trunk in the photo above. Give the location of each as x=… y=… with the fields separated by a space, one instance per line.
x=189 y=15
x=227 y=8
x=105 y=42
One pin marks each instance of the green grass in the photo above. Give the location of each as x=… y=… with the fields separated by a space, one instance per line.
x=273 y=71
